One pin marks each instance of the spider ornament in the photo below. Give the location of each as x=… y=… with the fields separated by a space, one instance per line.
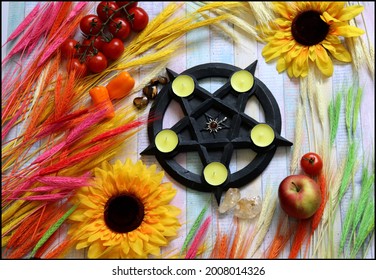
x=215 y=125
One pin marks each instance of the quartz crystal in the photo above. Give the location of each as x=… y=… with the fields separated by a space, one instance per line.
x=248 y=208
x=230 y=199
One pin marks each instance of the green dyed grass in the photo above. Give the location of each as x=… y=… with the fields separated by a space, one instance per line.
x=334 y=111
x=51 y=231
x=358 y=100
x=194 y=228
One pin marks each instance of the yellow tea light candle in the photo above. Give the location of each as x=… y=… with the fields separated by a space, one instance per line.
x=262 y=135
x=166 y=140
x=183 y=85
x=215 y=173
x=242 y=81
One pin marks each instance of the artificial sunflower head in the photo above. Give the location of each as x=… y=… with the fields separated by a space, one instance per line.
x=124 y=212
x=309 y=31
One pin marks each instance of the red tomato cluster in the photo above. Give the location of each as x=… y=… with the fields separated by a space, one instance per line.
x=104 y=36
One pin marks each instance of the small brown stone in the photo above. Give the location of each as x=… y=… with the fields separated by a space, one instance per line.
x=141 y=102
x=162 y=80
x=150 y=91
x=159 y=80
x=154 y=81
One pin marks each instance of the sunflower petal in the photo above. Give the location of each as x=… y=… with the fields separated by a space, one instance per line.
x=160 y=210
x=283 y=22
x=152 y=249
x=91 y=213
x=94 y=236
x=296 y=69
x=296 y=50
x=348 y=31
x=288 y=46
x=274 y=48
x=153 y=195
x=100 y=173
x=137 y=246
x=156 y=237
x=125 y=246
x=173 y=210
x=328 y=18
x=170 y=231
x=300 y=65
x=96 y=191
x=312 y=53
x=169 y=221
x=87 y=202
x=331 y=39
x=95 y=250
x=289 y=72
x=131 y=236
x=81 y=245
x=323 y=61
x=338 y=52
x=334 y=8
x=143 y=236
x=112 y=242
x=78 y=215
x=167 y=196
x=281 y=65
x=350 y=12
x=283 y=9
x=282 y=35
x=305 y=70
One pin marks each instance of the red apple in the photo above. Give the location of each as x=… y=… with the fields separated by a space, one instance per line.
x=299 y=196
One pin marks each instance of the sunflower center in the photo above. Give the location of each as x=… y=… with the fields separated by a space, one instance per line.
x=124 y=213
x=309 y=29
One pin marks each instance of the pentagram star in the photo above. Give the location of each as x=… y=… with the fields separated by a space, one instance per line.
x=202 y=117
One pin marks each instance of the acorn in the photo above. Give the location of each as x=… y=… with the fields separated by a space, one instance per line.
x=150 y=91
x=141 y=102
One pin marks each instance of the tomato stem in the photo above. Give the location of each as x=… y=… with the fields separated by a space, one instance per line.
x=101 y=32
x=311 y=160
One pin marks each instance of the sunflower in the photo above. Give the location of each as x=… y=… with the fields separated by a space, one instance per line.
x=124 y=212
x=309 y=31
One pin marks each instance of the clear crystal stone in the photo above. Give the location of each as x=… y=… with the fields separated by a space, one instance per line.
x=248 y=208
x=230 y=199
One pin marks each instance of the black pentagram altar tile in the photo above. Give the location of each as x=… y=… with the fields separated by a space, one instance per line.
x=215 y=125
